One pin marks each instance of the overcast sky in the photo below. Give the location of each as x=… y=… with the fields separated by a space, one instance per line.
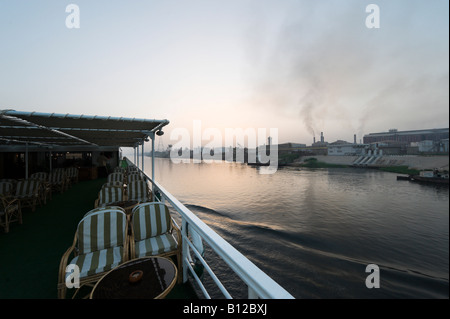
x=299 y=66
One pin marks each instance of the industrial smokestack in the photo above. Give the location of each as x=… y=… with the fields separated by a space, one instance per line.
x=354 y=139
x=321 y=137
x=314 y=139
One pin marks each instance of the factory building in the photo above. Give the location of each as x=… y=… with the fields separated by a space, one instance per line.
x=347 y=149
x=407 y=137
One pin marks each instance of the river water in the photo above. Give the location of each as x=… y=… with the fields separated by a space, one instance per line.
x=314 y=231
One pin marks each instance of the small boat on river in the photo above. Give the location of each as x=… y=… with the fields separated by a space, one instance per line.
x=435 y=176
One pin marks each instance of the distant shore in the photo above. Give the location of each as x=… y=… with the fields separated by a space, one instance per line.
x=411 y=161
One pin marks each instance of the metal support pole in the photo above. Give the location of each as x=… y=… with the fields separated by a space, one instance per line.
x=152 y=136
x=26 y=160
x=134 y=153
x=142 y=165
x=137 y=156
x=184 y=249
x=50 y=161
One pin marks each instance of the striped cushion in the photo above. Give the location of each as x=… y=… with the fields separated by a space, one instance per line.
x=115 y=177
x=27 y=188
x=72 y=171
x=42 y=176
x=132 y=169
x=110 y=194
x=135 y=177
x=57 y=177
x=113 y=184
x=110 y=208
x=150 y=219
x=119 y=170
x=98 y=261
x=5 y=188
x=101 y=230
x=138 y=190
x=155 y=245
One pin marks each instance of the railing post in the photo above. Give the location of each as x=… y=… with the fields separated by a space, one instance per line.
x=184 y=248
x=142 y=165
x=252 y=293
x=26 y=160
x=137 y=156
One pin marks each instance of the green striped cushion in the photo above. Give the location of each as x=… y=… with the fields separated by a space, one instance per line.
x=110 y=194
x=42 y=176
x=5 y=188
x=113 y=184
x=98 y=261
x=155 y=245
x=115 y=177
x=27 y=188
x=150 y=220
x=101 y=230
x=72 y=172
x=110 y=208
x=138 y=190
x=132 y=169
x=135 y=177
x=57 y=177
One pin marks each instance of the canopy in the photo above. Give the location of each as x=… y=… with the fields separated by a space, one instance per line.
x=53 y=130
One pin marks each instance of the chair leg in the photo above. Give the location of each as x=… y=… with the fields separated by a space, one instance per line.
x=6 y=225
x=180 y=268
x=19 y=212
x=62 y=291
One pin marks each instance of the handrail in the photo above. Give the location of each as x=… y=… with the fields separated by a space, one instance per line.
x=260 y=285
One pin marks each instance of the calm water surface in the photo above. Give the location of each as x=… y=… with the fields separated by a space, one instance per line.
x=315 y=231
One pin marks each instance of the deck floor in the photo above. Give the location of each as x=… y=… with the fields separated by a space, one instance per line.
x=30 y=253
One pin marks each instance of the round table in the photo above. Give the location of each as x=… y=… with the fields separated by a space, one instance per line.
x=127 y=205
x=159 y=276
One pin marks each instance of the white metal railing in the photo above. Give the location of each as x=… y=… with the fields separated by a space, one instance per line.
x=259 y=284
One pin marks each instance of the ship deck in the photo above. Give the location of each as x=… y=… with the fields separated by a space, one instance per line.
x=31 y=252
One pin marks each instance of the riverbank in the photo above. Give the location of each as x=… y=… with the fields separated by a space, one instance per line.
x=414 y=162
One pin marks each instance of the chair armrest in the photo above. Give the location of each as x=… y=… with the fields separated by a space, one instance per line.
x=8 y=199
x=64 y=261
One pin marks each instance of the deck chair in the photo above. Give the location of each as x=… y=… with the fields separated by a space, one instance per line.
x=72 y=174
x=27 y=192
x=134 y=177
x=115 y=177
x=138 y=190
x=152 y=233
x=113 y=184
x=6 y=188
x=10 y=211
x=13 y=183
x=58 y=180
x=108 y=195
x=132 y=169
x=45 y=187
x=96 y=250
x=119 y=169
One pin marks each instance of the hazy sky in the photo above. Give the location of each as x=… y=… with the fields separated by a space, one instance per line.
x=300 y=66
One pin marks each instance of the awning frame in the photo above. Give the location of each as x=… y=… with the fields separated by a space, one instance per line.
x=60 y=131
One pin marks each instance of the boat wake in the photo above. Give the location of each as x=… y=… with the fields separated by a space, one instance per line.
x=317 y=262
x=223 y=220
